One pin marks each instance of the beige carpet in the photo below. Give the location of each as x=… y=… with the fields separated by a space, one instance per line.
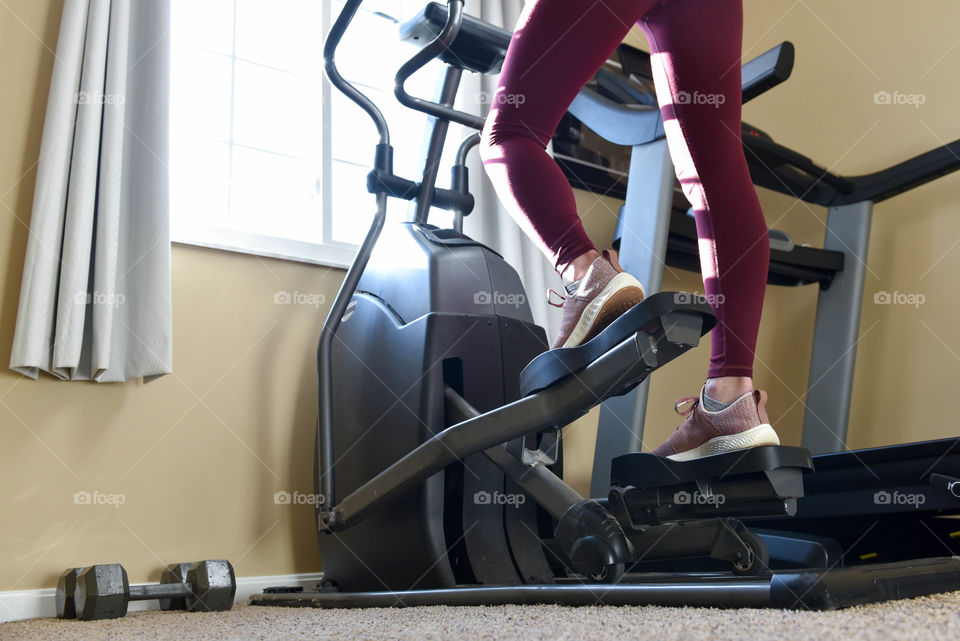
x=936 y=617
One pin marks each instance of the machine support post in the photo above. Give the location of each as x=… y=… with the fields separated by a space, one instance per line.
x=835 y=335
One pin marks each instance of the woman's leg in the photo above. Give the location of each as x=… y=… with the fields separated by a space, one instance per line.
x=695 y=47
x=696 y=55
x=557 y=47
x=696 y=59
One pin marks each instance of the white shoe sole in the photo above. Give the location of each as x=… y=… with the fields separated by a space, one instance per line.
x=592 y=312
x=762 y=434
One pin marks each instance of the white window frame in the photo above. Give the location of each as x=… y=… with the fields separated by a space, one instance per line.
x=328 y=252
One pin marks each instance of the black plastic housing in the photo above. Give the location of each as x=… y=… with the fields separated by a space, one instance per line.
x=409 y=331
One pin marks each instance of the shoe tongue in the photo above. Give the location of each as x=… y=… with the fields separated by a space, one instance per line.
x=571 y=288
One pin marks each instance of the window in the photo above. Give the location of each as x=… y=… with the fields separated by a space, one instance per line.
x=266 y=157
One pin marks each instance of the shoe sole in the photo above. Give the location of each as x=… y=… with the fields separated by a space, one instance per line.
x=762 y=434
x=621 y=293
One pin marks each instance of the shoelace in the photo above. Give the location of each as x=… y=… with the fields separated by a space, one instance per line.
x=693 y=401
x=550 y=302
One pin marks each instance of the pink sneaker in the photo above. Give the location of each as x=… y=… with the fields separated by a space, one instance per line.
x=603 y=294
x=742 y=425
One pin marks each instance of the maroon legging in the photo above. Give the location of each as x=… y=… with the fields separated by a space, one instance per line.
x=695 y=51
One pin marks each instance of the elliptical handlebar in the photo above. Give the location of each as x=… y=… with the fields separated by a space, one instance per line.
x=330 y=66
x=442 y=42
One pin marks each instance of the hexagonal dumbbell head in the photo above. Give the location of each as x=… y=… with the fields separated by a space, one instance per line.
x=66 y=586
x=102 y=592
x=175 y=573
x=214 y=585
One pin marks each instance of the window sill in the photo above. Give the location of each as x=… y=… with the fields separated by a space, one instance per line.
x=338 y=255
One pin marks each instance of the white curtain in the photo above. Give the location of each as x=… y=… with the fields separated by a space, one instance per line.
x=95 y=295
x=490 y=223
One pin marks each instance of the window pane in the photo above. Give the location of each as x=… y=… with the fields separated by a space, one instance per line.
x=275 y=196
x=200 y=95
x=207 y=24
x=353 y=137
x=353 y=207
x=284 y=34
x=276 y=111
x=199 y=182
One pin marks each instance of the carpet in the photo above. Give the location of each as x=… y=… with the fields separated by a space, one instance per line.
x=933 y=617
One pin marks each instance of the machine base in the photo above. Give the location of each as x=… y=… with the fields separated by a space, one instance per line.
x=802 y=590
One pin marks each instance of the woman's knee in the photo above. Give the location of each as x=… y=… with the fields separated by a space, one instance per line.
x=493 y=141
x=488 y=147
x=496 y=139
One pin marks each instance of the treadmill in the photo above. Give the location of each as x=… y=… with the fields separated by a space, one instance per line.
x=860 y=507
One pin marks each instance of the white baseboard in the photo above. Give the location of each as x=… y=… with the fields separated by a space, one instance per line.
x=29 y=604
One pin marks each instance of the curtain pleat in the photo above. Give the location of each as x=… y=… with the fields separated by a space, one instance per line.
x=95 y=293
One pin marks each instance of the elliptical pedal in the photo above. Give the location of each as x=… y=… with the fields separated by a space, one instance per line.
x=661 y=323
x=699 y=503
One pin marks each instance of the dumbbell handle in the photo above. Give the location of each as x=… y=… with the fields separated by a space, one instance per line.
x=159 y=591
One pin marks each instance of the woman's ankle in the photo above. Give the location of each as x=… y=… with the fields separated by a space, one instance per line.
x=727 y=389
x=577 y=268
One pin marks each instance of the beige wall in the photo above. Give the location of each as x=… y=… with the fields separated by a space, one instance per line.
x=199 y=455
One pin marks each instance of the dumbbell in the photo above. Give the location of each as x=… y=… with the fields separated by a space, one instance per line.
x=103 y=591
x=66 y=586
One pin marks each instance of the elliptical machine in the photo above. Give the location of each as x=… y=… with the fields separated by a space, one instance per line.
x=438 y=453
